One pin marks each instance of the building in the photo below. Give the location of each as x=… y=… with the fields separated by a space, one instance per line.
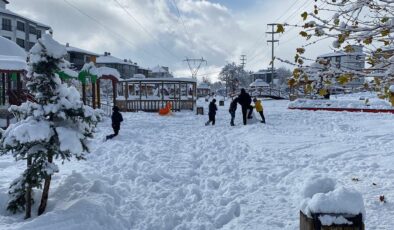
x=349 y=62
x=126 y=68
x=78 y=57
x=20 y=29
x=265 y=75
x=203 y=90
x=144 y=71
x=160 y=72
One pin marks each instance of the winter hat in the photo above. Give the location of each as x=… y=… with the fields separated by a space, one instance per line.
x=115 y=108
x=243 y=90
x=214 y=100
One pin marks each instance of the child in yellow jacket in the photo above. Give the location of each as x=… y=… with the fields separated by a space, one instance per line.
x=259 y=109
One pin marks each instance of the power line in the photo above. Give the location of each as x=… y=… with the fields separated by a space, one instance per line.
x=145 y=30
x=130 y=43
x=263 y=34
x=255 y=53
x=187 y=32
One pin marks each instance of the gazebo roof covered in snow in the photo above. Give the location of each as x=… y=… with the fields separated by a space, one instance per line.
x=12 y=57
x=259 y=83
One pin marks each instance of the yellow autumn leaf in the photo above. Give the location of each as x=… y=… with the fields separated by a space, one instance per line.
x=291 y=82
x=323 y=92
x=343 y=79
x=304 y=15
x=300 y=50
x=377 y=81
x=303 y=34
x=280 y=28
x=367 y=41
x=385 y=32
x=349 y=49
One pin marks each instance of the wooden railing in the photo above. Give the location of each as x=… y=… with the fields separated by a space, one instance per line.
x=154 y=105
x=270 y=92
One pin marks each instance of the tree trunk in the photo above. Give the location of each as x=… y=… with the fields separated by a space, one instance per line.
x=45 y=192
x=28 y=194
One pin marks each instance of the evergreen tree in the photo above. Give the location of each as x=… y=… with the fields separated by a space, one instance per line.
x=55 y=126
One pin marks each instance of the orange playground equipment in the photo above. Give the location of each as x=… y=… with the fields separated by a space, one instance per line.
x=166 y=110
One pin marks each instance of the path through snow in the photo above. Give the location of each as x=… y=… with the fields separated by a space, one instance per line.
x=175 y=173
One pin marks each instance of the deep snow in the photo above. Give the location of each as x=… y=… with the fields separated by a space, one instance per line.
x=175 y=173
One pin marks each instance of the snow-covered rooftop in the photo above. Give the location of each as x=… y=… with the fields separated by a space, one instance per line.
x=78 y=50
x=12 y=57
x=108 y=59
x=139 y=76
x=159 y=69
x=341 y=53
x=259 y=83
x=101 y=71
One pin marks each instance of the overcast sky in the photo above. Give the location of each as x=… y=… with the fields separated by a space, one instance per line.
x=152 y=32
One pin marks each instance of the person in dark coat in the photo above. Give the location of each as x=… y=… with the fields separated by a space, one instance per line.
x=212 y=112
x=232 y=109
x=116 y=120
x=245 y=100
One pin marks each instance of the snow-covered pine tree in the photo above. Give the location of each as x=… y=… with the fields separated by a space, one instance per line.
x=55 y=126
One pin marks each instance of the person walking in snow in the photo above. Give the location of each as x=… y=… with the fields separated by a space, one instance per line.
x=232 y=109
x=259 y=109
x=245 y=100
x=212 y=112
x=116 y=120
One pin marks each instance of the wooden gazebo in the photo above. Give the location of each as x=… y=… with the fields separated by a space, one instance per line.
x=90 y=77
x=151 y=94
x=12 y=67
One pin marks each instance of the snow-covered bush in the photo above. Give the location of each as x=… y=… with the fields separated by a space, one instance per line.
x=56 y=125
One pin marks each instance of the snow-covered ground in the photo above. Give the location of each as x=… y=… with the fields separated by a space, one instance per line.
x=175 y=173
x=363 y=100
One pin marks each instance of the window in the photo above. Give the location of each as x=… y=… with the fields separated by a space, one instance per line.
x=9 y=38
x=6 y=24
x=20 y=42
x=32 y=30
x=20 y=26
x=38 y=32
x=31 y=44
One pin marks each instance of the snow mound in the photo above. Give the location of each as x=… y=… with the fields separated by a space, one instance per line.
x=318 y=185
x=339 y=201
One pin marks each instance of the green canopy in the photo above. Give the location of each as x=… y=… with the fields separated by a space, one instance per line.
x=63 y=75
x=84 y=74
x=13 y=76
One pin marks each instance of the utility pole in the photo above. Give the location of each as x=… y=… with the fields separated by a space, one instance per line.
x=272 y=41
x=243 y=61
x=194 y=65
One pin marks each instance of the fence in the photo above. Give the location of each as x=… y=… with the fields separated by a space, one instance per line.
x=154 y=105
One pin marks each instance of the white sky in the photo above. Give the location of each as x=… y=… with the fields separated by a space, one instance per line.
x=150 y=32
